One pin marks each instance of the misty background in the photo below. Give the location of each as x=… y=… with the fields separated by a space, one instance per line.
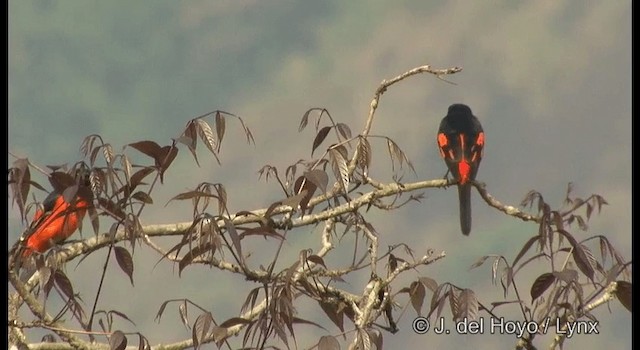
x=549 y=80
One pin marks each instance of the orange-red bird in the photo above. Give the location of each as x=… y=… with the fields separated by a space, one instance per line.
x=55 y=222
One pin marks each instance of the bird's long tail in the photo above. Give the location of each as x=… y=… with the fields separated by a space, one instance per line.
x=464 y=196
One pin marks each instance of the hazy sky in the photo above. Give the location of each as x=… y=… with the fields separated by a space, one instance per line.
x=549 y=80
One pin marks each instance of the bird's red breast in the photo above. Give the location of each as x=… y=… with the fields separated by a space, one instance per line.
x=54 y=223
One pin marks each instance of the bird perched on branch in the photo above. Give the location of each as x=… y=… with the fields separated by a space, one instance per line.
x=61 y=213
x=461 y=142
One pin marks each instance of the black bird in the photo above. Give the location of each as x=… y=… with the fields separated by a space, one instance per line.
x=461 y=141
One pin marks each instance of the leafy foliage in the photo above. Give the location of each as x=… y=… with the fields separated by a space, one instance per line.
x=334 y=192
